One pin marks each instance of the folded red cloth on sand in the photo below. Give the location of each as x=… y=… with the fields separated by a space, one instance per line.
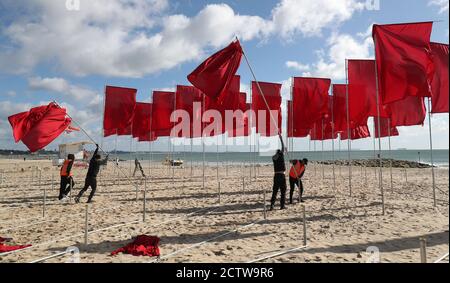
x=5 y=248
x=141 y=246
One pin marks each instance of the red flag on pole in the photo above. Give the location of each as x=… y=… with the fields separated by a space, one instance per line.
x=323 y=129
x=410 y=111
x=293 y=130
x=214 y=76
x=239 y=127
x=310 y=101
x=142 y=120
x=119 y=110
x=186 y=97
x=404 y=60
x=384 y=128
x=340 y=107
x=272 y=94
x=362 y=91
x=440 y=81
x=163 y=106
x=360 y=132
x=40 y=126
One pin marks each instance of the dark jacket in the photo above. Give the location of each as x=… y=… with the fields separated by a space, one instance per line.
x=278 y=160
x=94 y=165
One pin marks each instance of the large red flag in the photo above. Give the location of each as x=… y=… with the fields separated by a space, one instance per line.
x=385 y=128
x=340 y=107
x=272 y=94
x=293 y=130
x=323 y=129
x=186 y=96
x=360 y=132
x=40 y=126
x=119 y=110
x=440 y=81
x=362 y=91
x=410 y=111
x=163 y=106
x=404 y=60
x=239 y=127
x=214 y=76
x=142 y=120
x=310 y=101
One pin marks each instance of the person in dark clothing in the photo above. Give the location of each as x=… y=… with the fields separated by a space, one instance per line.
x=91 y=177
x=67 y=182
x=295 y=177
x=137 y=165
x=279 y=179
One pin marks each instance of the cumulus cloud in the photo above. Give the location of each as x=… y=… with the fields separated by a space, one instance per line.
x=441 y=4
x=133 y=38
x=331 y=63
x=297 y=66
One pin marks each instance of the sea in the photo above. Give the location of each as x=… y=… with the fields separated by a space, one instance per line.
x=440 y=157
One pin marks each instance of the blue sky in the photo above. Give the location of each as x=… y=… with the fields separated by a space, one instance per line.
x=48 y=52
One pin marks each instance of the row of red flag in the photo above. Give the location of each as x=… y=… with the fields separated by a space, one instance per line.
x=392 y=88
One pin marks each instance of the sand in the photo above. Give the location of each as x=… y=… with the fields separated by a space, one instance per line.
x=195 y=227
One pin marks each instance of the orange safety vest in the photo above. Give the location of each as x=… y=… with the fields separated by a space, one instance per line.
x=63 y=172
x=297 y=170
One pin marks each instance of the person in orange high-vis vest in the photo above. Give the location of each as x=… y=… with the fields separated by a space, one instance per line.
x=67 y=182
x=295 y=177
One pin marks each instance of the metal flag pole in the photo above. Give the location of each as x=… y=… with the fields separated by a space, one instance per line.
x=340 y=154
x=349 y=134
x=332 y=142
x=390 y=153
x=117 y=158
x=380 y=176
x=315 y=137
x=431 y=153
x=203 y=141
x=374 y=145
x=267 y=105
x=323 y=157
x=103 y=121
x=217 y=158
x=192 y=168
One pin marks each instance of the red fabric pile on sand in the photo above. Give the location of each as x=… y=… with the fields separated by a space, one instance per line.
x=142 y=245
x=5 y=248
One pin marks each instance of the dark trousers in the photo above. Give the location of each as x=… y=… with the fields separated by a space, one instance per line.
x=65 y=186
x=89 y=182
x=279 y=183
x=293 y=182
x=138 y=167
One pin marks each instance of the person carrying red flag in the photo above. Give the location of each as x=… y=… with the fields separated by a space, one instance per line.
x=91 y=177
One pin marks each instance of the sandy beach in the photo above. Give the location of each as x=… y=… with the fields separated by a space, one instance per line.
x=194 y=226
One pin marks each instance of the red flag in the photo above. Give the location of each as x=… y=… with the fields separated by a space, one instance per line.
x=214 y=76
x=186 y=96
x=163 y=106
x=410 y=111
x=239 y=127
x=119 y=110
x=272 y=94
x=40 y=126
x=323 y=129
x=142 y=120
x=404 y=60
x=293 y=130
x=362 y=91
x=340 y=107
x=360 y=132
x=384 y=128
x=310 y=101
x=440 y=81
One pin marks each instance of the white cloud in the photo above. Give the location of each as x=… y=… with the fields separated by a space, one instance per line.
x=331 y=64
x=310 y=17
x=11 y=93
x=62 y=86
x=297 y=66
x=132 y=38
x=441 y=4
